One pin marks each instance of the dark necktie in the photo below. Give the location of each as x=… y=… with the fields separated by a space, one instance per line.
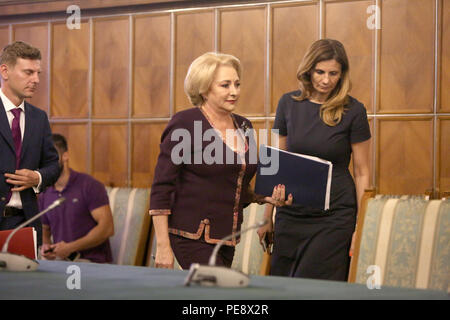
x=17 y=135
x=17 y=138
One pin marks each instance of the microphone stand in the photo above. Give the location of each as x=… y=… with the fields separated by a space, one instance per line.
x=15 y=262
x=212 y=275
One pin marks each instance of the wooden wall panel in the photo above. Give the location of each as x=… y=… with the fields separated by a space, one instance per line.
x=109 y=153
x=261 y=131
x=443 y=153
x=347 y=23
x=4 y=36
x=111 y=68
x=405 y=149
x=269 y=132
x=36 y=34
x=194 y=36
x=78 y=142
x=145 y=54
x=407 y=56
x=371 y=162
x=70 y=71
x=294 y=29
x=151 y=74
x=146 y=138
x=8 y=8
x=249 y=47
x=445 y=58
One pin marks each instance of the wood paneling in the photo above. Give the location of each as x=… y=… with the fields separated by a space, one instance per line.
x=371 y=164
x=135 y=58
x=27 y=7
x=111 y=68
x=294 y=29
x=77 y=138
x=445 y=58
x=146 y=138
x=249 y=47
x=261 y=131
x=194 y=36
x=151 y=66
x=407 y=56
x=4 y=36
x=347 y=23
x=269 y=132
x=109 y=153
x=70 y=71
x=405 y=149
x=443 y=144
x=37 y=35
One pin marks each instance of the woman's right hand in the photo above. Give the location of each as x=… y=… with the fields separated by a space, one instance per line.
x=164 y=258
x=266 y=232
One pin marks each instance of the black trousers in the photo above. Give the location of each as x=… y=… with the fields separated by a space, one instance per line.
x=8 y=223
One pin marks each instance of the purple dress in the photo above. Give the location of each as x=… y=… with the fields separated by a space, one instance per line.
x=204 y=200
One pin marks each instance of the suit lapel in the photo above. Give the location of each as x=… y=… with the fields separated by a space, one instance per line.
x=5 y=129
x=30 y=124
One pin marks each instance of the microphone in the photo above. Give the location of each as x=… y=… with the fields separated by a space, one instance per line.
x=212 y=275
x=16 y=262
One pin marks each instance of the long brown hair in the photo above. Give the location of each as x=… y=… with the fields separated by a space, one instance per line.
x=322 y=50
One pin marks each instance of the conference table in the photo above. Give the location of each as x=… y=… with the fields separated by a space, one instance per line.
x=63 y=280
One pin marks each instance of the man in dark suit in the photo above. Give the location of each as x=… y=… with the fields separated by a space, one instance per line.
x=28 y=159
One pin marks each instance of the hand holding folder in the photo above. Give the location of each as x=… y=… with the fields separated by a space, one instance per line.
x=307 y=178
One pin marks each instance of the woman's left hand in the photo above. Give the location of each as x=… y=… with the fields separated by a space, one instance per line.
x=352 y=246
x=278 y=198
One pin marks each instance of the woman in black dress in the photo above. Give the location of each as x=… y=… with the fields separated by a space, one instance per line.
x=321 y=120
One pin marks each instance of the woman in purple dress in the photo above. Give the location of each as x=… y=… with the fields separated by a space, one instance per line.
x=202 y=176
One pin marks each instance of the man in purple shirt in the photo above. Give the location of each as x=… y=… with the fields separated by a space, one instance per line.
x=83 y=223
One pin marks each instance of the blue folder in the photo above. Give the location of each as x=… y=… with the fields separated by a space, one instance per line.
x=308 y=178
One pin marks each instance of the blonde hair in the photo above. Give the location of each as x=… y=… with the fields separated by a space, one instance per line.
x=202 y=71
x=322 y=50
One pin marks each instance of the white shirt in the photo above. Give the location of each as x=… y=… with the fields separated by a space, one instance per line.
x=15 y=200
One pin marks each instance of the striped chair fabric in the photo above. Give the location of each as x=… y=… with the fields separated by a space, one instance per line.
x=129 y=208
x=248 y=256
x=408 y=238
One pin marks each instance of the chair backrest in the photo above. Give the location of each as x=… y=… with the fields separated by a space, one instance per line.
x=407 y=239
x=129 y=208
x=248 y=256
